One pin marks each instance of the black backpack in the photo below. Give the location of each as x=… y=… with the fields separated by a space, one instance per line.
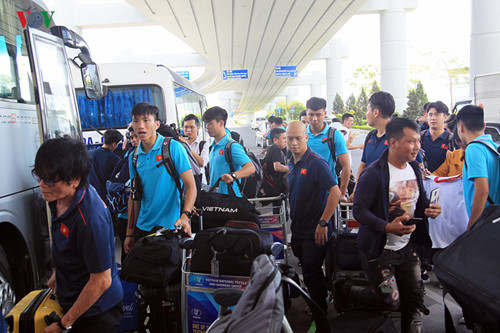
x=249 y=186
x=118 y=186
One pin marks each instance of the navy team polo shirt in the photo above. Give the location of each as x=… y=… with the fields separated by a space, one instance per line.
x=435 y=151
x=375 y=147
x=309 y=180
x=83 y=243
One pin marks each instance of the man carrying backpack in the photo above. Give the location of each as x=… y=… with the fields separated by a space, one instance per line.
x=199 y=148
x=481 y=171
x=215 y=119
x=275 y=166
x=155 y=198
x=318 y=132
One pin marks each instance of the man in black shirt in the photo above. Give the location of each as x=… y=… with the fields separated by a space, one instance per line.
x=275 y=166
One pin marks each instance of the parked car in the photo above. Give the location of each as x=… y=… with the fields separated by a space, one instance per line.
x=258 y=122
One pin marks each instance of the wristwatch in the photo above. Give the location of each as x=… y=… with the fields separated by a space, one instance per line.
x=62 y=327
x=233 y=174
x=323 y=223
x=187 y=213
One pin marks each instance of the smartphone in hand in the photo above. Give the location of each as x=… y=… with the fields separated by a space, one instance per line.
x=412 y=221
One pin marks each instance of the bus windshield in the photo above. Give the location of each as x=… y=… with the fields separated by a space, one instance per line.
x=113 y=110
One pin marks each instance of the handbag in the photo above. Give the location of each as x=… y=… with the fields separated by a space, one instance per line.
x=154 y=261
x=228 y=251
x=218 y=208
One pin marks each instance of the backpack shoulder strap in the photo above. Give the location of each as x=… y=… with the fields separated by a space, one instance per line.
x=331 y=142
x=496 y=151
x=169 y=163
x=201 y=145
x=368 y=136
x=229 y=158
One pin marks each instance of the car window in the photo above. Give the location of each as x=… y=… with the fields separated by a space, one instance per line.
x=494 y=132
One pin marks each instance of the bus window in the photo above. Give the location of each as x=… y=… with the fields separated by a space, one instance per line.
x=113 y=110
x=15 y=71
x=186 y=102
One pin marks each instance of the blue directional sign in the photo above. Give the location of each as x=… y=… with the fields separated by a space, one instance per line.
x=278 y=110
x=184 y=74
x=285 y=71
x=235 y=74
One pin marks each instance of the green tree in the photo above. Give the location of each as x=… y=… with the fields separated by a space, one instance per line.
x=374 y=88
x=338 y=104
x=298 y=108
x=351 y=103
x=283 y=109
x=361 y=106
x=416 y=100
x=363 y=76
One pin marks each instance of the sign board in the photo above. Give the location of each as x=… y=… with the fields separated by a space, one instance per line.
x=237 y=110
x=278 y=110
x=235 y=74
x=285 y=71
x=184 y=74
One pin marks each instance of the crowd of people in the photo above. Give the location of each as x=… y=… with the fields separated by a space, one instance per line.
x=309 y=160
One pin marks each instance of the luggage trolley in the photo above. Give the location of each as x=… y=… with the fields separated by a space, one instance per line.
x=273 y=219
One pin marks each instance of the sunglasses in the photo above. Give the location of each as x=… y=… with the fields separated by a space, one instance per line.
x=48 y=182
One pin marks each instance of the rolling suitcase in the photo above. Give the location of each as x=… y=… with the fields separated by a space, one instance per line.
x=160 y=309
x=34 y=312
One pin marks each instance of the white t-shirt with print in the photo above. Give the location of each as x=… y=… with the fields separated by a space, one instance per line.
x=403 y=197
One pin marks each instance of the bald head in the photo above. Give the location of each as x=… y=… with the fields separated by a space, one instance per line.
x=296 y=138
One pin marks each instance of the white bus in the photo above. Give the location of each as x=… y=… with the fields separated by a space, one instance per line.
x=126 y=84
x=37 y=102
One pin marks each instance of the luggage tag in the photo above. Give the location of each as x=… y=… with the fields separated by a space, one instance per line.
x=214 y=265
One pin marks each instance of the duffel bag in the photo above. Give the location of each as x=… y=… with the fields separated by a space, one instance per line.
x=228 y=251
x=469 y=268
x=218 y=208
x=154 y=261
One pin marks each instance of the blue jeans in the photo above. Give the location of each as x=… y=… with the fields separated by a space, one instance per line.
x=311 y=257
x=396 y=283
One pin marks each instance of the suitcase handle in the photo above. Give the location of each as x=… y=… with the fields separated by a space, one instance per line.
x=51 y=318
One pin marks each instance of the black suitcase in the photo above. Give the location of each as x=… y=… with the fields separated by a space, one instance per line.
x=469 y=268
x=159 y=309
x=356 y=278
x=363 y=321
x=345 y=249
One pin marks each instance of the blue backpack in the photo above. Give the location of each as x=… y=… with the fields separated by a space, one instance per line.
x=118 y=186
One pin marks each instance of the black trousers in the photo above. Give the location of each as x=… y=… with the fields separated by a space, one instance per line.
x=311 y=257
x=396 y=283
x=105 y=322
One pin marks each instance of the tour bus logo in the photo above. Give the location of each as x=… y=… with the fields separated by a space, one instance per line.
x=35 y=19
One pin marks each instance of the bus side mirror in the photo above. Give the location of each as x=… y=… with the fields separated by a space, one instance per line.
x=91 y=80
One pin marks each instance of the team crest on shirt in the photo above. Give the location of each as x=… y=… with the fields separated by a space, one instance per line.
x=444 y=146
x=64 y=230
x=159 y=158
x=325 y=140
x=385 y=143
x=221 y=152
x=303 y=171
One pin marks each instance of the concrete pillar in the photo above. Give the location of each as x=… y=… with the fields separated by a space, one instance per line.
x=485 y=39
x=316 y=84
x=291 y=94
x=393 y=52
x=334 y=71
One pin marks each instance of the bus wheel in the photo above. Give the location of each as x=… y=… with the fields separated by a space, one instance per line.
x=7 y=296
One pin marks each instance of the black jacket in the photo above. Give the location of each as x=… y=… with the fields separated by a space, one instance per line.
x=371 y=207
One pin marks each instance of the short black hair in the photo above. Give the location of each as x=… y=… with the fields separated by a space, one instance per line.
x=426 y=107
x=451 y=122
x=395 y=127
x=439 y=106
x=66 y=158
x=276 y=132
x=217 y=113
x=316 y=103
x=191 y=117
x=143 y=108
x=112 y=136
x=303 y=114
x=278 y=120
x=167 y=131
x=271 y=119
x=346 y=116
x=472 y=116
x=384 y=102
